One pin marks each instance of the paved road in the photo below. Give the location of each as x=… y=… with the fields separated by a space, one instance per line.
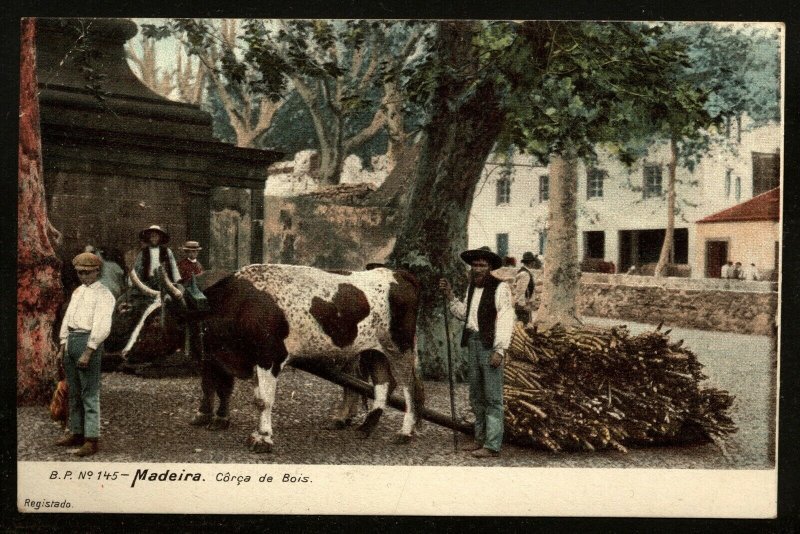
x=146 y=420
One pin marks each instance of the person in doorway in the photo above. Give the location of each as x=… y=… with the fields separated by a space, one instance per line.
x=523 y=288
x=737 y=273
x=751 y=272
x=153 y=254
x=86 y=325
x=725 y=272
x=489 y=316
x=190 y=266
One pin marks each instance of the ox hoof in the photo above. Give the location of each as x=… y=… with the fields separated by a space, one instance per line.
x=261 y=447
x=219 y=423
x=338 y=424
x=369 y=424
x=201 y=419
x=258 y=445
x=402 y=439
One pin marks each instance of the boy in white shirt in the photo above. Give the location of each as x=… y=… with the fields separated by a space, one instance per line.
x=86 y=325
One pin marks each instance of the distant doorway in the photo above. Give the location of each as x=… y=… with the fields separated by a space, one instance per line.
x=716 y=257
x=642 y=247
x=594 y=245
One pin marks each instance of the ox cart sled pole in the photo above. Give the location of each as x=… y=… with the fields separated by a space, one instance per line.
x=365 y=388
x=450 y=370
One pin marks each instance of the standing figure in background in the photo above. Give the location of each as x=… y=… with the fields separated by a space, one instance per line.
x=725 y=272
x=153 y=253
x=86 y=325
x=523 y=288
x=190 y=266
x=751 y=272
x=737 y=273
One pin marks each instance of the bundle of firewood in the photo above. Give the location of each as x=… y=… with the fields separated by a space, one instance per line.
x=589 y=388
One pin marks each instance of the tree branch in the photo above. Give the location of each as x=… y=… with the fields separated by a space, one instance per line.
x=378 y=121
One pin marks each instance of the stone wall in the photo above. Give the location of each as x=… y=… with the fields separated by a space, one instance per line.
x=110 y=210
x=300 y=176
x=230 y=229
x=115 y=165
x=707 y=304
x=307 y=231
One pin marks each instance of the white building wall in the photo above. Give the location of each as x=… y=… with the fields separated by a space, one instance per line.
x=700 y=192
x=522 y=218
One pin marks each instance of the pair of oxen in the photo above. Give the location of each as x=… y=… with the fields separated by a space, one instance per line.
x=263 y=317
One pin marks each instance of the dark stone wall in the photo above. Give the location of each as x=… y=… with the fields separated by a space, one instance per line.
x=118 y=157
x=110 y=210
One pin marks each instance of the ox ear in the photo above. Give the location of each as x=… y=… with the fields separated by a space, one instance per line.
x=211 y=278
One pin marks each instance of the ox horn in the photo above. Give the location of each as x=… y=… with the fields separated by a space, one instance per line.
x=149 y=291
x=171 y=288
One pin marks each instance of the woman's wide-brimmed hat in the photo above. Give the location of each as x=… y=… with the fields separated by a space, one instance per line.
x=528 y=256
x=483 y=253
x=154 y=228
x=191 y=245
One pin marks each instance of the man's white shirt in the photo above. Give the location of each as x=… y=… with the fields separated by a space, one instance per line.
x=90 y=309
x=155 y=262
x=521 y=280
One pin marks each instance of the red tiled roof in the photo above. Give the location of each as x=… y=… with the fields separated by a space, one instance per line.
x=764 y=207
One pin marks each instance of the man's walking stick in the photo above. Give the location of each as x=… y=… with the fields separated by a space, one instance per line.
x=450 y=372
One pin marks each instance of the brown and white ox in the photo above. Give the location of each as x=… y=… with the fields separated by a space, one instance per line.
x=265 y=316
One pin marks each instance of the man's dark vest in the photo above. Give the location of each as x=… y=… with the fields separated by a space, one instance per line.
x=487 y=312
x=163 y=256
x=529 y=289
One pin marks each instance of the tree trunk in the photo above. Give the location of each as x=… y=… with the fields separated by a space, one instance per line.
x=669 y=235
x=561 y=277
x=434 y=225
x=331 y=155
x=38 y=268
x=395 y=124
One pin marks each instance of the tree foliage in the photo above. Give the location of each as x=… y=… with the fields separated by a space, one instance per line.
x=343 y=71
x=212 y=47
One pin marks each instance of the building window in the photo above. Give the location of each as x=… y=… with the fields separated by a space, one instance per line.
x=542 y=241
x=766 y=172
x=594 y=182
x=738 y=188
x=652 y=181
x=594 y=245
x=544 y=187
x=503 y=191
x=728 y=174
x=502 y=245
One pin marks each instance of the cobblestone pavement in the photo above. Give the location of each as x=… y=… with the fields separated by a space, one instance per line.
x=147 y=420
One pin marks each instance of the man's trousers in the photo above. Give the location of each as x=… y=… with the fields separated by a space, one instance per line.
x=84 y=387
x=485 y=394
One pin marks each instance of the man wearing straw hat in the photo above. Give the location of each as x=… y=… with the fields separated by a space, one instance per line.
x=86 y=325
x=153 y=254
x=489 y=316
x=190 y=266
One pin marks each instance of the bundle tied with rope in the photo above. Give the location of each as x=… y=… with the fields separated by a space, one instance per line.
x=589 y=388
